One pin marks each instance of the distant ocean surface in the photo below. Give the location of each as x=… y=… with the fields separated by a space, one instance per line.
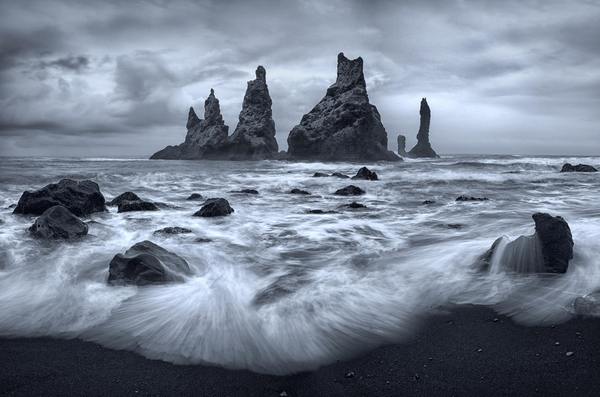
x=278 y=290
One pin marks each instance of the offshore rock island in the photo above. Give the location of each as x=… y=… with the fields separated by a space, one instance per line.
x=423 y=147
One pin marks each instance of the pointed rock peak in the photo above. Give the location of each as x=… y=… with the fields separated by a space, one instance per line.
x=349 y=73
x=192 y=118
x=212 y=110
x=212 y=92
x=261 y=74
x=424 y=106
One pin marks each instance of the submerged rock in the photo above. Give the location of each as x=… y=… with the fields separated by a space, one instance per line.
x=215 y=207
x=401 y=145
x=423 y=147
x=58 y=223
x=319 y=212
x=354 y=205
x=340 y=175
x=471 y=198
x=127 y=196
x=254 y=136
x=173 y=230
x=246 y=191
x=299 y=191
x=350 y=190
x=195 y=196
x=147 y=263
x=577 y=168
x=205 y=139
x=79 y=197
x=365 y=173
x=320 y=175
x=137 y=205
x=548 y=250
x=428 y=202
x=343 y=126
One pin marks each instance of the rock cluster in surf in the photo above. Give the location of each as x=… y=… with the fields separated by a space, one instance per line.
x=343 y=126
x=253 y=138
x=423 y=147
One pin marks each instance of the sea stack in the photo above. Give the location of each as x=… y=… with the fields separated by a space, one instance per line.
x=254 y=136
x=423 y=147
x=401 y=145
x=343 y=126
x=205 y=139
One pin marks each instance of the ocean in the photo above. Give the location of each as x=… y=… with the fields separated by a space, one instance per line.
x=275 y=289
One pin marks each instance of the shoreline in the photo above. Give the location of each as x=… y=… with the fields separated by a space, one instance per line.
x=469 y=350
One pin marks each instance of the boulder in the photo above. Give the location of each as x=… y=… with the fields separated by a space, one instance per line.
x=246 y=191
x=215 y=207
x=548 y=250
x=350 y=190
x=80 y=197
x=299 y=191
x=195 y=196
x=254 y=136
x=401 y=145
x=471 y=198
x=320 y=175
x=127 y=196
x=58 y=223
x=340 y=175
x=205 y=139
x=577 y=168
x=172 y=230
x=354 y=205
x=137 y=205
x=423 y=147
x=147 y=263
x=343 y=126
x=365 y=173
x=319 y=212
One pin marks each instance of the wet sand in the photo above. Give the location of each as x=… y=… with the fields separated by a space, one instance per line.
x=466 y=351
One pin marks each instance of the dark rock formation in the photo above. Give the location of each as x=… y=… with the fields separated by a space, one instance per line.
x=319 y=212
x=58 y=223
x=172 y=230
x=471 y=198
x=215 y=207
x=299 y=191
x=254 y=136
x=578 y=168
x=246 y=191
x=127 y=196
x=548 y=250
x=205 y=139
x=146 y=263
x=350 y=190
x=320 y=175
x=79 y=197
x=365 y=173
x=428 y=202
x=195 y=196
x=340 y=175
x=423 y=146
x=354 y=205
x=401 y=145
x=137 y=205
x=343 y=126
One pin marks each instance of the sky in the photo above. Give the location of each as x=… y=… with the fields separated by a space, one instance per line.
x=116 y=78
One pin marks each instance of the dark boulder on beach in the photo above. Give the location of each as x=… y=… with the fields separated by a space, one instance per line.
x=350 y=190
x=343 y=126
x=299 y=191
x=137 y=205
x=172 y=230
x=471 y=198
x=147 y=263
x=127 y=196
x=548 y=250
x=79 y=197
x=423 y=147
x=195 y=196
x=567 y=167
x=366 y=174
x=215 y=207
x=58 y=223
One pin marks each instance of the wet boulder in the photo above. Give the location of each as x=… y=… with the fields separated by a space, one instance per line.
x=147 y=263
x=58 y=223
x=215 y=207
x=137 y=205
x=567 y=167
x=246 y=191
x=556 y=239
x=320 y=175
x=340 y=175
x=350 y=190
x=195 y=196
x=127 y=196
x=79 y=197
x=172 y=230
x=354 y=205
x=299 y=191
x=471 y=198
x=366 y=174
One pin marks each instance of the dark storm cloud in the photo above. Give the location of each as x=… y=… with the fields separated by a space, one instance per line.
x=96 y=76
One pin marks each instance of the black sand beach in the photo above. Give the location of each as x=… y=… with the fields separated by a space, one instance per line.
x=468 y=351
